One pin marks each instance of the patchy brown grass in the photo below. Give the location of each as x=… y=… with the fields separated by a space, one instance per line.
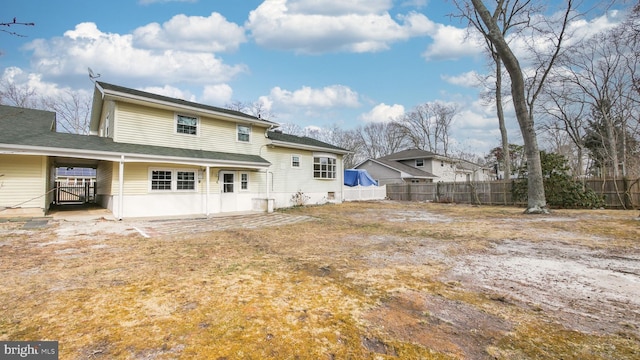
x=360 y=281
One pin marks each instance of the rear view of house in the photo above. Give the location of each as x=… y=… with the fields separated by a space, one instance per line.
x=159 y=156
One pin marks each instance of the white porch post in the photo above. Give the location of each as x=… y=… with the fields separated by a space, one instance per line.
x=120 y=187
x=208 y=181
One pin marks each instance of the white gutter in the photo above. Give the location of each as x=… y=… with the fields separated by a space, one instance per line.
x=131 y=157
x=208 y=181
x=121 y=188
x=308 y=147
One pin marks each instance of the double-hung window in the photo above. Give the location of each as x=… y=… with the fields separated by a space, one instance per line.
x=324 y=167
x=244 y=133
x=244 y=181
x=186 y=125
x=295 y=161
x=186 y=180
x=161 y=180
x=169 y=180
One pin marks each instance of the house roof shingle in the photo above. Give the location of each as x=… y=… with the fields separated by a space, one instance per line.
x=28 y=127
x=302 y=140
x=176 y=101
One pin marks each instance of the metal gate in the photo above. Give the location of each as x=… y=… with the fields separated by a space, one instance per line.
x=74 y=194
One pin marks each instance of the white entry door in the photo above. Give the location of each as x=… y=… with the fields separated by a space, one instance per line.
x=228 y=192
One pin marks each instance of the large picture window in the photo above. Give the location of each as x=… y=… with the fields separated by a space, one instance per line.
x=244 y=133
x=168 y=180
x=324 y=167
x=186 y=125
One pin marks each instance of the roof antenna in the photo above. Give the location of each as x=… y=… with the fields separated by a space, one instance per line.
x=92 y=75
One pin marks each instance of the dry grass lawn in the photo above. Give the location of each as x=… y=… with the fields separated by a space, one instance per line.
x=380 y=280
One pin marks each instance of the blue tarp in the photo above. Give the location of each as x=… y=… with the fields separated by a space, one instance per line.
x=355 y=177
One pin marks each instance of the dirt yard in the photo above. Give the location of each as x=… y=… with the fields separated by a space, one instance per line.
x=379 y=280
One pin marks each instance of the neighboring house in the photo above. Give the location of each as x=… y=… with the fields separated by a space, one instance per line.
x=160 y=156
x=420 y=166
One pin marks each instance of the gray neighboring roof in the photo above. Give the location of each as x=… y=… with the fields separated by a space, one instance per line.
x=395 y=165
x=410 y=154
x=148 y=95
x=303 y=141
x=21 y=128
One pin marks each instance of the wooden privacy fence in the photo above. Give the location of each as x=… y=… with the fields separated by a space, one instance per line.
x=618 y=194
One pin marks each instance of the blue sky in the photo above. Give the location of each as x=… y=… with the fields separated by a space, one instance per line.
x=314 y=63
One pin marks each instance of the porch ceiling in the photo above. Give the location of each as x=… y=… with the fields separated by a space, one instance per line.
x=74 y=162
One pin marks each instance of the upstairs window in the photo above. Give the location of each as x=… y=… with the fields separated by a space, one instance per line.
x=244 y=133
x=295 y=161
x=324 y=167
x=419 y=162
x=186 y=125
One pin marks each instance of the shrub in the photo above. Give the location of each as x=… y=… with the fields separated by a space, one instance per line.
x=561 y=190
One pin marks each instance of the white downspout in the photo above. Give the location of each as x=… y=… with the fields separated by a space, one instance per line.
x=208 y=181
x=120 y=187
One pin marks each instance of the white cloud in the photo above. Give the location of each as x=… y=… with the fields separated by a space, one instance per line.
x=192 y=33
x=115 y=56
x=451 y=43
x=217 y=95
x=308 y=26
x=170 y=91
x=327 y=97
x=338 y=7
x=383 y=113
x=469 y=79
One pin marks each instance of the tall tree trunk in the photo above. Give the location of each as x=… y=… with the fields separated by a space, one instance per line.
x=506 y=153
x=536 y=201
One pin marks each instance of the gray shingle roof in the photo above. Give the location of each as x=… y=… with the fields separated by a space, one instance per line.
x=140 y=93
x=410 y=154
x=27 y=127
x=302 y=140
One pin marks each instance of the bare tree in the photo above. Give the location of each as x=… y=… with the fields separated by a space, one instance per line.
x=428 y=126
x=381 y=138
x=508 y=15
x=18 y=95
x=564 y=116
x=525 y=91
x=73 y=111
x=255 y=108
x=5 y=26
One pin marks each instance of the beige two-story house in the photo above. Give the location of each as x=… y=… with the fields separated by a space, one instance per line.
x=160 y=156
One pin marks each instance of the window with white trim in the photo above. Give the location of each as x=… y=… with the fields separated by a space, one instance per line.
x=295 y=161
x=419 y=162
x=324 y=167
x=185 y=180
x=186 y=124
x=244 y=181
x=169 y=180
x=244 y=133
